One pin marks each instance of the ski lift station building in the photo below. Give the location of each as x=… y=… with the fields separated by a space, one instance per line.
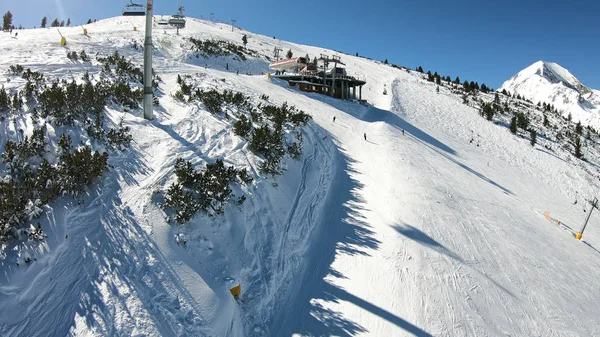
x=310 y=77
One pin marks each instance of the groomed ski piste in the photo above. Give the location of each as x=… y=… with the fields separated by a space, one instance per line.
x=420 y=232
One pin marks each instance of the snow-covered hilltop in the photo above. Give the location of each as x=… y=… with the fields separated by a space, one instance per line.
x=549 y=83
x=424 y=211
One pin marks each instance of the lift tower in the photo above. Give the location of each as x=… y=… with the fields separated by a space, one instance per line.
x=148 y=114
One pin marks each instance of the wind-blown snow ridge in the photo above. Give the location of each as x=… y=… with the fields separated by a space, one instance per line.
x=432 y=226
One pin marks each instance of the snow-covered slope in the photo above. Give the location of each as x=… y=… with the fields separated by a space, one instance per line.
x=550 y=83
x=432 y=225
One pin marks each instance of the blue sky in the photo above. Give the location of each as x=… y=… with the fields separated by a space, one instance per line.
x=484 y=41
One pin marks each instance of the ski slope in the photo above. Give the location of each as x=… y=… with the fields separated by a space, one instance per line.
x=414 y=231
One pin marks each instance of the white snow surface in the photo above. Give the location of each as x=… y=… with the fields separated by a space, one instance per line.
x=550 y=83
x=413 y=231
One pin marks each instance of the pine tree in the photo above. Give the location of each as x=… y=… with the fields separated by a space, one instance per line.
x=83 y=56
x=7 y=20
x=55 y=23
x=68 y=22
x=290 y=54
x=4 y=100
x=438 y=82
x=429 y=76
x=466 y=86
x=242 y=127
x=496 y=99
x=487 y=111
x=457 y=80
x=533 y=136
x=245 y=40
x=578 y=128
x=578 y=153
x=89 y=21
x=44 y=21
x=420 y=69
x=386 y=61
x=62 y=23
x=522 y=120
x=546 y=122
x=17 y=103
x=513 y=125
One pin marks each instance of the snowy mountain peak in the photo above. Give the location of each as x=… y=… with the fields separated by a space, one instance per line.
x=551 y=83
x=554 y=73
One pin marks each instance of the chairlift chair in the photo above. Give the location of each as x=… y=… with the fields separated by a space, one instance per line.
x=178 y=20
x=134 y=9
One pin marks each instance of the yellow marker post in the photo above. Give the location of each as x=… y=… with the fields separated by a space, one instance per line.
x=235 y=291
x=134 y=28
x=63 y=41
x=85 y=31
x=578 y=236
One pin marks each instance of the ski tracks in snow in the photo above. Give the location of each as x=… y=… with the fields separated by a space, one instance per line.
x=280 y=257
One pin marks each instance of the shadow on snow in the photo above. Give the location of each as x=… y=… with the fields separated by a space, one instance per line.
x=343 y=230
x=422 y=238
x=113 y=262
x=371 y=114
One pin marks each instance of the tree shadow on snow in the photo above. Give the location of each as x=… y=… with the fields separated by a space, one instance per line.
x=371 y=114
x=550 y=153
x=120 y=282
x=127 y=263
x=468 y=169
x=422 y=238
x=128 y=164
x=417 y=235
x=343 y=230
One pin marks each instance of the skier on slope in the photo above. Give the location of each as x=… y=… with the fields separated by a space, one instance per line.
x=365 y=135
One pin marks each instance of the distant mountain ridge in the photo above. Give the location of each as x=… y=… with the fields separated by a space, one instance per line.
x=550 y=83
